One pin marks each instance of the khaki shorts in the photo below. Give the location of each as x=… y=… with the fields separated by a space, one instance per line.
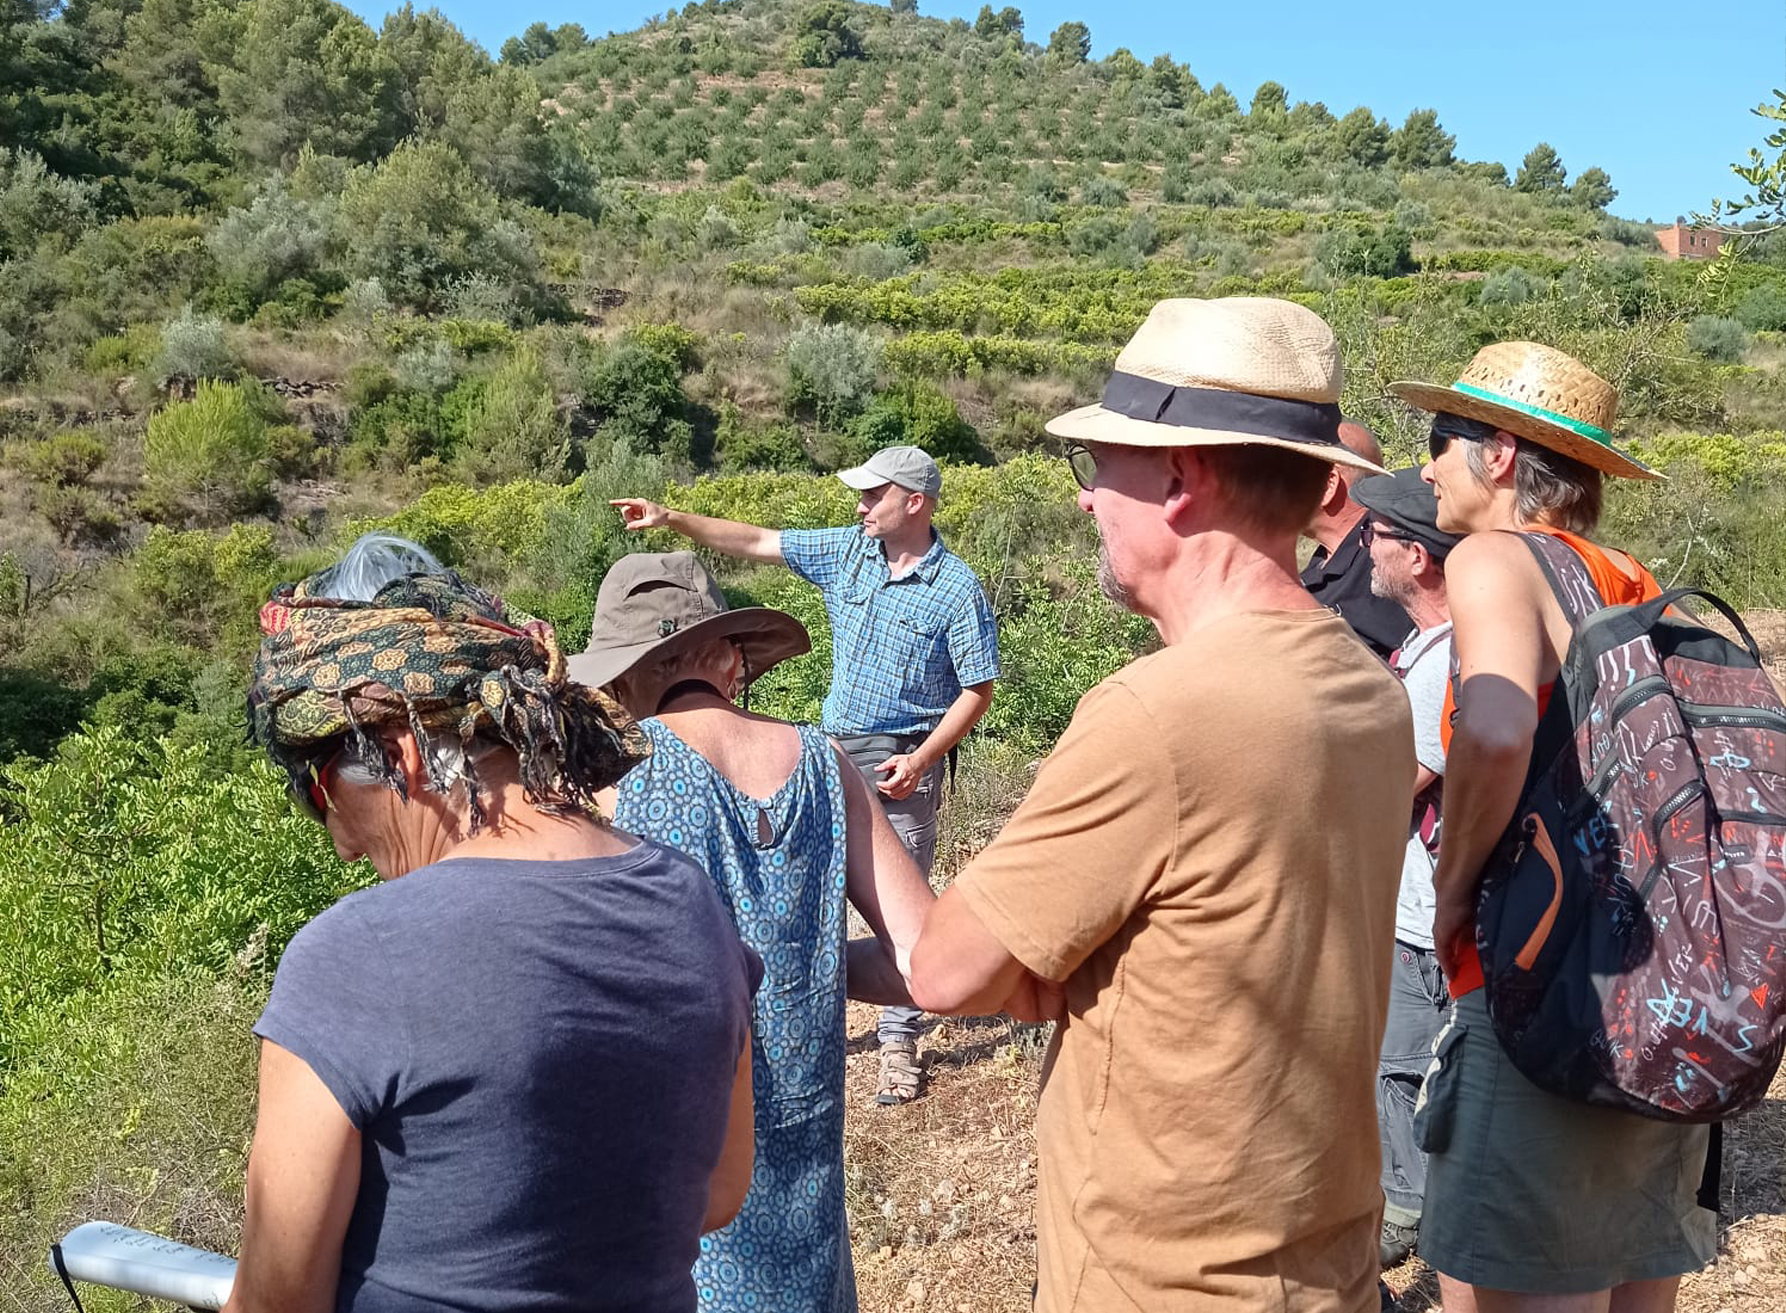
x=1527 y=1191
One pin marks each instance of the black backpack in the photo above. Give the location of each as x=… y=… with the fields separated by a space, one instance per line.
x=1632 y=920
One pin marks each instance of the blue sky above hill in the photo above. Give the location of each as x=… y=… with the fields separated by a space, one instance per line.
x=1657 y=94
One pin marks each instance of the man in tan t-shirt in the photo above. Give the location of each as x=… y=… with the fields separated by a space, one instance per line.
x=1208 y=860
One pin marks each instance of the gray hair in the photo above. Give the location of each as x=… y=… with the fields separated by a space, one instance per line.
x=373 y=561
x=1548 y=487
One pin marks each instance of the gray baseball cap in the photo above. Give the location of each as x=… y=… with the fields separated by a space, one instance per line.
x=910 y=467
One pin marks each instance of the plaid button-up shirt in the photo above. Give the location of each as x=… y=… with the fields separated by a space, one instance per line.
x=901 y=649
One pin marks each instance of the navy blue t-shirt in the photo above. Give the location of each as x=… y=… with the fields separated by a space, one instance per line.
x=539 y=1057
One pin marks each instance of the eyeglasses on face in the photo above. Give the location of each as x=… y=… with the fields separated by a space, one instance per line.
x=1370 y=533
x=1083 y=464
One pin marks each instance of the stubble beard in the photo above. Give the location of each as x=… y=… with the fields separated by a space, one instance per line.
x=1108 y=583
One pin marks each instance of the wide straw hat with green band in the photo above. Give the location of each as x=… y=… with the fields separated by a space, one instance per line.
x=1539 y=393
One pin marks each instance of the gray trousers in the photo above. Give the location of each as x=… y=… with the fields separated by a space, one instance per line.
x=913 y=818
x=1418 y=1006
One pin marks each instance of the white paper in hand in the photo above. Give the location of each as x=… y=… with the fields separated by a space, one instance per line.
x=108 y=1254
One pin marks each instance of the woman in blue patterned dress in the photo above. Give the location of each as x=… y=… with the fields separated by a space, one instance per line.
x=784 y=825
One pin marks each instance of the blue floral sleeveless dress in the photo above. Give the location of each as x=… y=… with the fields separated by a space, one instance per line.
x=779 y=865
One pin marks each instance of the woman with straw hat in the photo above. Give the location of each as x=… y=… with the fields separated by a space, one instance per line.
x=785 y=826
x=514 y=1073
x=1531 y=1198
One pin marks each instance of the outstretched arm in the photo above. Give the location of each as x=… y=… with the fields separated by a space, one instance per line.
x=886 y=887
x=728 y=536
x=303 y=1177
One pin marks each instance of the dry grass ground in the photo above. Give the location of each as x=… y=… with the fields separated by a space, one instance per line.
x=942 y=1191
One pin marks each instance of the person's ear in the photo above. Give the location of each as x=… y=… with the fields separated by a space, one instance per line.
x=402 y=751
x=1187 y=479
x=1499 y=454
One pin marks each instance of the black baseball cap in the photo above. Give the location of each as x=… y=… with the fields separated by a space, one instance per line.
x=1406 y=500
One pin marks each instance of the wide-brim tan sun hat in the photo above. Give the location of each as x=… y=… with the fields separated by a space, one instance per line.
x=1538 y=393
x=1239 y=370
x=658 y=604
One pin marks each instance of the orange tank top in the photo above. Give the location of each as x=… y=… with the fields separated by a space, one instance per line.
x=1618 y=589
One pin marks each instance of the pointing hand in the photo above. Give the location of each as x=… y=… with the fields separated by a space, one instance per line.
x=637 y=513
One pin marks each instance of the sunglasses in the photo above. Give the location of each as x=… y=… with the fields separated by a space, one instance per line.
x=1369 y=533
x=1447 y=427
x=1083 y=464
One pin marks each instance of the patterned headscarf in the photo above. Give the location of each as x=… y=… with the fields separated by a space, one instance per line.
x=447 y=659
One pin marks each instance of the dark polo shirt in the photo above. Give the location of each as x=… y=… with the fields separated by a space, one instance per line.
x=1342 y=582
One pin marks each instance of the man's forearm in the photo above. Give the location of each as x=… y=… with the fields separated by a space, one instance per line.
x=731 y=537
x=957 y=722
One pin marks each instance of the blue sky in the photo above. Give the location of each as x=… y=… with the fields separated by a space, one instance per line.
x=1637 y=87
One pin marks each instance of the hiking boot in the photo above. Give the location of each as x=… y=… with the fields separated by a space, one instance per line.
x=1396 y=1244
x=901 y=1077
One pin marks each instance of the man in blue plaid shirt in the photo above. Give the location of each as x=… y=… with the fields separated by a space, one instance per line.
x=914 y=653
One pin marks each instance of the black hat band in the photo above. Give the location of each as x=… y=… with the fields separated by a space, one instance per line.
x=1153 y=402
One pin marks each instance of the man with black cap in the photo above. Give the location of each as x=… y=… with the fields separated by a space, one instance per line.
x=1339 y=573
x=1407 y=554
x=914 y=653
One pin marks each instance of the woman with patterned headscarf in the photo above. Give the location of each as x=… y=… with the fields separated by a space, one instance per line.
x=508 y=1075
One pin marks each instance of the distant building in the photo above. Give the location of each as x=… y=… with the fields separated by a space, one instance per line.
x=1679 y=242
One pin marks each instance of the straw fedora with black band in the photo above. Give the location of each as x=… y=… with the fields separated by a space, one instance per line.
x=1538 y=393
x=657 y=604
x=1233 y=371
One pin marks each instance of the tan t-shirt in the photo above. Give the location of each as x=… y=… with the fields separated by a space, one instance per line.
x=1209 y=861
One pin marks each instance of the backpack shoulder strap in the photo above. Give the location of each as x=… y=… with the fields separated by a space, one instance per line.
x=1567 y=574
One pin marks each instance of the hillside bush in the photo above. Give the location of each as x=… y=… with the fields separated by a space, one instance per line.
x=419 y=219
x=1763 y=309
x=124 y=858
x=1509 y=286
x=211 y=455
x=833 y=368
x=275 y=237
x=514 y=430
x=633 y=392
x=1717 y=337
x=923 y=416
x=192 y=347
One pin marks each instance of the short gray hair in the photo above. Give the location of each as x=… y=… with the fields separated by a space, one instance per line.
x=1548 y=486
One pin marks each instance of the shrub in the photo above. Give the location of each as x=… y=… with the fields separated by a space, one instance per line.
x=1763 y=309
x=1104 y=192
x=192 y=347
x=211 y=453
x=419 y=219
x=741 y=444
x=876 y=261
x=124 y=859
x=833 y=367
x=514 y=431
x=922 y=415
x=1717 y=338
x=1352 y=252
x=276 y=237
x=1510 y=286
x=716 y=231
x=66 y=460
x=36 y=203
x=634 y=393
